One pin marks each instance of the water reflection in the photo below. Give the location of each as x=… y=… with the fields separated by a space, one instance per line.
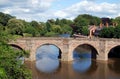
x=47 y=65
x=81 y=65
x=114 y=65
x=82 y=60
x=64 y=70
x=47 y=58
x=81 y=68
x=81 y=52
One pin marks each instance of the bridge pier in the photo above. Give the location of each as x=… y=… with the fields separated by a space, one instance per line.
x=102 y=56
x=30 y=46
x=66 y=53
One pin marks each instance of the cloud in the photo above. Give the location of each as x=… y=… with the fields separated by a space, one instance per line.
x=26 y=9
x=40 y=5
x=90 y=7
x=41 y=10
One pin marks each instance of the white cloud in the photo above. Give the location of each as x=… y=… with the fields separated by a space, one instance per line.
x=2 y=2
x=41 y=10
x=7 y=11
x=90 y=7
x=40 y=5
x=26 y=9
x=61 y=14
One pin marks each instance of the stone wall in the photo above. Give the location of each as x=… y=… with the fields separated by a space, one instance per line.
x=67 y=45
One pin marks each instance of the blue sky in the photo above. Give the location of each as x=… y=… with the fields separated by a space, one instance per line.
x=42 y=10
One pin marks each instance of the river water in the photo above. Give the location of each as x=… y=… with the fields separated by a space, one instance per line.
x=48 y=66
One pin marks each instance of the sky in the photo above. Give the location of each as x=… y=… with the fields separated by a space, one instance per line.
x=42 y=10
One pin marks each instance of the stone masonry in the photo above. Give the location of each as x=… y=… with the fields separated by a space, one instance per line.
x=66 y=45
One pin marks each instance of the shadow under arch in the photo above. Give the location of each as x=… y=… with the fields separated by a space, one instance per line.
x=114 y=52
x=114 y=58
x=16 y=47
x=87 y=48
x=46 y=49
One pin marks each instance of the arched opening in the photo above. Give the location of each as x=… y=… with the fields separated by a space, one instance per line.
x=114 y=52
x=47 y=58
x=48 y=49
x=85 y=51
x=82 y=56
x=114 y=58
x=19 y=49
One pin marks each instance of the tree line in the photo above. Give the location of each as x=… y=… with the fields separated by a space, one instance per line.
x=54 y=27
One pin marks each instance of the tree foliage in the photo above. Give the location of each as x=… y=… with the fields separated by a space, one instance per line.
x=85 y=20
x=85 y=30
x=107 y=32
x=111 y=32
x=9 y=24
x=4 y=18
x=117 y=20
x=117 y=32
x=15 y=26
x=10 y=65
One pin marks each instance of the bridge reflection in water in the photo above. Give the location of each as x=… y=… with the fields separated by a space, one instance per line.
x=48 y=66
x=97 y=70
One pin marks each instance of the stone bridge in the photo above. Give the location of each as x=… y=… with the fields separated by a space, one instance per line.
x=67 y=45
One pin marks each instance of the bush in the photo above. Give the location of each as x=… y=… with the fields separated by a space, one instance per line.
x=107 y=32
x=10 y=67
x=85 y=30
x=117 y=32
x=49 y=34
x=27 y=35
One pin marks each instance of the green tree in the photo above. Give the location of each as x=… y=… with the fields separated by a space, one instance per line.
x=117 y=20
x=42 y=28
x=117 y=32
x=85 y=20
x=51 y=34
x=56 y=29
x=10 y=65
x=107 y=32
x=65 y=21
x=4 y=18
x=57 y=22
x=3 y=74
x=48 y=26
x=34 y=24
x=66 y=29
x=26 y=25
x=15 y=26
x=85 y=30
x=32 y=30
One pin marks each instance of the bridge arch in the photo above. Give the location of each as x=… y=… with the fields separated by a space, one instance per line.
x=60 y=51
x=16 y=46
x=94 y=51
x=114 y=52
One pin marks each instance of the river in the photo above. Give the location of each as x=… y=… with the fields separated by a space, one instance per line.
x=48 y=66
